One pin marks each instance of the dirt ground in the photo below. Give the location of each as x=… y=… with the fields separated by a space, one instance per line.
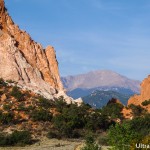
x=51 y=144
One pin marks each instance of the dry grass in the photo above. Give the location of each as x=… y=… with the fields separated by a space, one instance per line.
x=48 y=144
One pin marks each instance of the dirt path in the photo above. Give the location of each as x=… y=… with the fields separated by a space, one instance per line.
x=47 y=144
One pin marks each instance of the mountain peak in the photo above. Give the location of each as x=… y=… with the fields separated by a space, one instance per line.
x=100 y=78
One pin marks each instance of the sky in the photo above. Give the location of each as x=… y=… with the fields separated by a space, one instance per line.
x=90 y=34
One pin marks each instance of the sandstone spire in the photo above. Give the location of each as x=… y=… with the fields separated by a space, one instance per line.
x=145 y=94
x=26 y=61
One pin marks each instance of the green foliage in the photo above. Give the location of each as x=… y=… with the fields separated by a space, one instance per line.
x=17 y=93
x=137 y=110
x=120 y=135
x=73 y=117
x=2 y=82
x=20 y=138
x=90 y=143
x=113 y=110
x=103 y=140
x=60 y=104
x=96 y=120
x=44 y=103
x=128 y=132
x=6 y=118
x=21 y=107
x=52 y=134
x=10 y=81
x=7 y=107
x=146 y=102
x=41 y=115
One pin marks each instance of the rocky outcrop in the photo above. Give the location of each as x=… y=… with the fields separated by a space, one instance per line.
x=145 y=94
x=25 y=61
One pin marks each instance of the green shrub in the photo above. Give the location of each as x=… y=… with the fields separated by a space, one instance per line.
x=146 y=102
x=2 y=82
x=137 y=110
x=52 y=134
x=113 y=110
x=7 y=107
x=60 y=104
x=17 y=93
x=6 y=118
x=44 y=103
x=20 y=138
x=128 y=132
x=41 y=115
x=10 y=81
x=103 y=140
x=21 y=107
x=90 y=144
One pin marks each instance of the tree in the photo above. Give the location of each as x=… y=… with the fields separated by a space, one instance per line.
x=90 y=143
x=121 y=136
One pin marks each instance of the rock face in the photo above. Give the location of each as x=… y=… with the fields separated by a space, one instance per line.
x=145 y=94
x=25 y=61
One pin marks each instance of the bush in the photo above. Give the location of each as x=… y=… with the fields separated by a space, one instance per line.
x=2 y=82
x=17 y=93
x=10 y=81
x=44 y=103
x=6 y=118
x=90 y=144
x=7 y=107
x=52 y=134
x=20 y=138
x=137 y=110
x=113 y=110
x=103 y=140
x=41 y=115
x=126 y=133
x=146 y=102
x=60 y=104
x=21 y=107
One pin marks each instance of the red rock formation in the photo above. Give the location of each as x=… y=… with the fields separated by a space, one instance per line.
x=25 y=61
x=145 y=94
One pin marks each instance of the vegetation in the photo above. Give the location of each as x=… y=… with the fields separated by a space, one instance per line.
x=17 y=93
x=7 y=107
x=113 y=110
x=41 y=115
x=2 y=83
x=123 y=135
x=19 y=138
x=90 y=143
x=61 y=120
x=146 y=102
x=44 y=103
x=98 y=99
x=137 y=110
x=6 y=118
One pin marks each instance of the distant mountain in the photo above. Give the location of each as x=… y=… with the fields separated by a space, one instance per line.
x=99 y=79
x=98 y=99
x=98 y=87
x=79 y=92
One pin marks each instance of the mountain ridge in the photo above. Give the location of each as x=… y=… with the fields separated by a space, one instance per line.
x=99 y=78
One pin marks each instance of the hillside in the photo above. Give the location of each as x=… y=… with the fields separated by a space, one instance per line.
x=27 y=118
x=98 y=79
x=98 y=99
x=79 y=92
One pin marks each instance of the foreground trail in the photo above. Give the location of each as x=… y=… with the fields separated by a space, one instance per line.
x=46 y=144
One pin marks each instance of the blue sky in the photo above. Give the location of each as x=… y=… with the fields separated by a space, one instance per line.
x=90 y=34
